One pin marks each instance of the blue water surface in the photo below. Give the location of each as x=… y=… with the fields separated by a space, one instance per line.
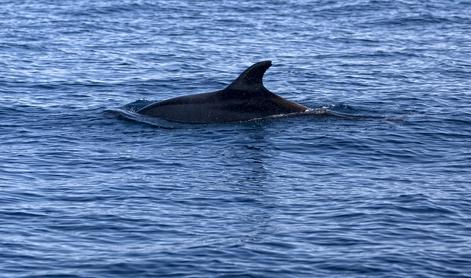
x=86 y=193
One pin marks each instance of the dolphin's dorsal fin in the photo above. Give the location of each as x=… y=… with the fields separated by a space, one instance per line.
x=251 y=79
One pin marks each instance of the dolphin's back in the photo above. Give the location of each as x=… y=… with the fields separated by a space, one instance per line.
x=245 y=99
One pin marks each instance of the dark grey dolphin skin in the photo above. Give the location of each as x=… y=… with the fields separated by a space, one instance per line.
x=244 y=99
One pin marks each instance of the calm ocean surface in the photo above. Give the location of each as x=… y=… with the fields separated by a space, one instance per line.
x=86 y=193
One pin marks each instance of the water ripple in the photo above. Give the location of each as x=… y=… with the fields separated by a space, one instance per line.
x=379 y=186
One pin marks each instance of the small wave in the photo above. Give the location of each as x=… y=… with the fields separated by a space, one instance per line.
x=136 y=117
x=414 y=20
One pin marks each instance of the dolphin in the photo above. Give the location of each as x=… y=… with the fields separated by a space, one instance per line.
x=244 y=99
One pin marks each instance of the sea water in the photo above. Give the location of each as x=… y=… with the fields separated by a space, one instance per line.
x=86 y=193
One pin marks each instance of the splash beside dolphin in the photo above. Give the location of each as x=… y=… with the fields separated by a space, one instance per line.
x=244 y=99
